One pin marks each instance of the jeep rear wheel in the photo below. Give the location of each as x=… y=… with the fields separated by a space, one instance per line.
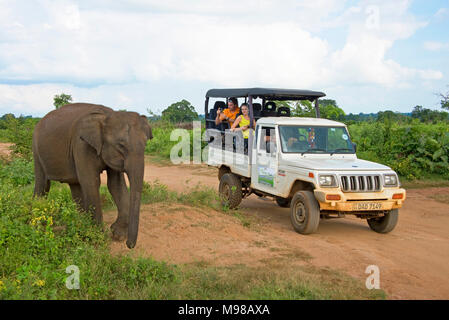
x=304 y=212
x=386 y=223
x=230 y=190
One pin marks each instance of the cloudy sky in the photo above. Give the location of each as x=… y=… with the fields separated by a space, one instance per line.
x=139 y=54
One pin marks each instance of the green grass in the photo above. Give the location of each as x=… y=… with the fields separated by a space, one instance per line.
x=431 y=181
x=40 y=238
x=245 y=282
x=4 y=135
x=198 y=196
x=161 y=145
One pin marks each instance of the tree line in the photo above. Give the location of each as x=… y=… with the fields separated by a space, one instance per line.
x=183 y=111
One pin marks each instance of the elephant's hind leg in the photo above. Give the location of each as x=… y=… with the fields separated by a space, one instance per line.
x=77 y=194
x=119 y=191
x=41 y=183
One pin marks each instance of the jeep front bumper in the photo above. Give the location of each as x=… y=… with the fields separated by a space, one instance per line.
x=334 y=199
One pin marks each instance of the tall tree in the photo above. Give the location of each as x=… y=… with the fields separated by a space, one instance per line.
x=329 y=109
x=181 y=111
x=304 y=108
x=61 y=100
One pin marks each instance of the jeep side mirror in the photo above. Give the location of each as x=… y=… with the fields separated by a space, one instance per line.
x=354 y=145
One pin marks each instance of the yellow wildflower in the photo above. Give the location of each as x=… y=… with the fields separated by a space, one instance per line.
x=39 y=283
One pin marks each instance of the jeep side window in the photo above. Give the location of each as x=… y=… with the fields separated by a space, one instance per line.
x=268 y=140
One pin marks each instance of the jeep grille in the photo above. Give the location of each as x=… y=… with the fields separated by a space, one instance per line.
x=360 y=183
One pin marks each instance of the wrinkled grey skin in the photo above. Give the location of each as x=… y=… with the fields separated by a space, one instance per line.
x=75 y=143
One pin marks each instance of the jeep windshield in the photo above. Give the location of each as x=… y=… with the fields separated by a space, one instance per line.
x=315 y=139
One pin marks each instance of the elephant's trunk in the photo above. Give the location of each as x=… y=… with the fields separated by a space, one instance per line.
x=134 y=168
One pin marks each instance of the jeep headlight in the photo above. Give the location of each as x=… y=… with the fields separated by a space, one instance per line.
x=327 y=181
x=390 y=180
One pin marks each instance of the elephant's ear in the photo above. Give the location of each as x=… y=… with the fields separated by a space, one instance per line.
x=91 y=130
x=146 y=127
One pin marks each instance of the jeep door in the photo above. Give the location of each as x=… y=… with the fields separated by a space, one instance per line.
x=265 y=166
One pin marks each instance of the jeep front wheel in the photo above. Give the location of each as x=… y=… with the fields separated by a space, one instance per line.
x=304 y=212
x=230 y=190
x=386 y=223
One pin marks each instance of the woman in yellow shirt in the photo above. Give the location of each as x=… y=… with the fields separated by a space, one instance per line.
x=243 y=121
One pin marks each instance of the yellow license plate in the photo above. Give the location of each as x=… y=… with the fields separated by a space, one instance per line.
x=366 y=206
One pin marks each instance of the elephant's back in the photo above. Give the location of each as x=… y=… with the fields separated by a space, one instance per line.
x=53 y=135
x=59 y=122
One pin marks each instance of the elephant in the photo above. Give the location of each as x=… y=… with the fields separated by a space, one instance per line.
x=75 y=143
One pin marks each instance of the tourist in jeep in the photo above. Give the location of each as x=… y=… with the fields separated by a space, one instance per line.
x=228 y=114
x=242 y=123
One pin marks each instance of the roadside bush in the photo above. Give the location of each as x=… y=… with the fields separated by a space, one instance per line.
x=19 y=172
x=415 y=150
x=3 y=134
x=161 y=145
x=19 y=131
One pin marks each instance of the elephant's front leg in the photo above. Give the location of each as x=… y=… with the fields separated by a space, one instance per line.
x=119 y=191
x=90 y=186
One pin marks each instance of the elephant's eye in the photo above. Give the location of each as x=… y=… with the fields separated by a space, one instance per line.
x=122 y=148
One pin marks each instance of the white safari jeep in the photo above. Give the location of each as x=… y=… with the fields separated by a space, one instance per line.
x=307 y=164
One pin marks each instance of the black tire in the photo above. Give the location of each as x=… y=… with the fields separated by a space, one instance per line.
x=230 y=190
x=304 y=212
x=283 y=203
x=222 y=171
x=386 y=223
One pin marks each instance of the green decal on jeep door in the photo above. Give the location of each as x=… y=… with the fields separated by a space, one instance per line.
x=266 y=176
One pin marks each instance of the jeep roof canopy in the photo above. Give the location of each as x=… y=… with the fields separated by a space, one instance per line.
x=267 y=93
x=263 y=93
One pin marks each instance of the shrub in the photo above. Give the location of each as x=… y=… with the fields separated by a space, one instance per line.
x=414 y=150
x=19 y=172
x=161 y=145
x=19 y=131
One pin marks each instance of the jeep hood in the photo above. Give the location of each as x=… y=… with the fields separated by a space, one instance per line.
x=325 y=164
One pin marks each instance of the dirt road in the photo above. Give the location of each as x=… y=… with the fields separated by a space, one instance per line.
x=5 y=149
x=413 y=259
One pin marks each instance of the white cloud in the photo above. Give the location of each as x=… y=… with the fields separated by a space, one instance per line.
x=373 y=29
x=442 y=13
x=435 y=45
x=37 y=99
x=224 y=43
